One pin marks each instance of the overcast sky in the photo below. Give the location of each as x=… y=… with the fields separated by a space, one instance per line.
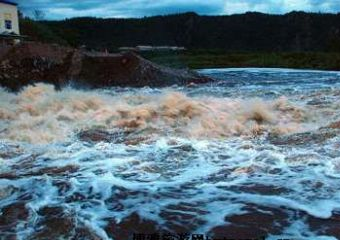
x=60 y=9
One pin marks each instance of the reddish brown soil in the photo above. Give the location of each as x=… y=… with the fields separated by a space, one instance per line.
x=29 y=63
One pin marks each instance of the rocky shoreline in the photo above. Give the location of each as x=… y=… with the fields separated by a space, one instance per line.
x=31 y=62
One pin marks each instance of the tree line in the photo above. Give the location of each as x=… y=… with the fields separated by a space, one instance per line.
x=249 y=32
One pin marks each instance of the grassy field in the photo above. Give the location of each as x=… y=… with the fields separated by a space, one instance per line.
x=218 y=59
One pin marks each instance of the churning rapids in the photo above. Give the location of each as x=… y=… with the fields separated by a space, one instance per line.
x=255 y=154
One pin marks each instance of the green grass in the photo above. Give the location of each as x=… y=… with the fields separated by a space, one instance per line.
x=197 y=59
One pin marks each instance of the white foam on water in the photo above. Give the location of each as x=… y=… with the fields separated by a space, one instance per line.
x=215 y=196
x=208 y=157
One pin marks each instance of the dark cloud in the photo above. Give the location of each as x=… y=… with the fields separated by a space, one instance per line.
x=58 y=9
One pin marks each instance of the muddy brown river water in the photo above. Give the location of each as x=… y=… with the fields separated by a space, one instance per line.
x=255 y=154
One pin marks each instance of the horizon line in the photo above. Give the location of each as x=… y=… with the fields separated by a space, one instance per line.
x=191 y=12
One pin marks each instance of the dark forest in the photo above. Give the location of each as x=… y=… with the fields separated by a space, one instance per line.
x=295 y=31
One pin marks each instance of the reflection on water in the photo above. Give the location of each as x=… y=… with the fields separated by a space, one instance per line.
x=249 y=156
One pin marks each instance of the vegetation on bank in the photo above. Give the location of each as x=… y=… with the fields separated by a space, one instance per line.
x=39 y=32
x=293 y=40
x=252 y=31
x=197 y=59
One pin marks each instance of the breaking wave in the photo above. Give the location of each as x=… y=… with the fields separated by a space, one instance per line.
x=247 y=157
x=40 y=114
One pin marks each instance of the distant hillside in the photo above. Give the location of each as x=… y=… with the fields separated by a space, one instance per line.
x=295 y=31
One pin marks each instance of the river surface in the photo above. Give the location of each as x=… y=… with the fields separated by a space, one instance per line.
x=248 y=156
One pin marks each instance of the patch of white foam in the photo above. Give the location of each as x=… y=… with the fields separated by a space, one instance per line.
x=218 y=176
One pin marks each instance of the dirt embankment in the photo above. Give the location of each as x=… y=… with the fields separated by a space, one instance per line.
x=30 y=63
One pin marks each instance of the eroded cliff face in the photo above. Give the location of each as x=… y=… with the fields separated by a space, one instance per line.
x=29 y=63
